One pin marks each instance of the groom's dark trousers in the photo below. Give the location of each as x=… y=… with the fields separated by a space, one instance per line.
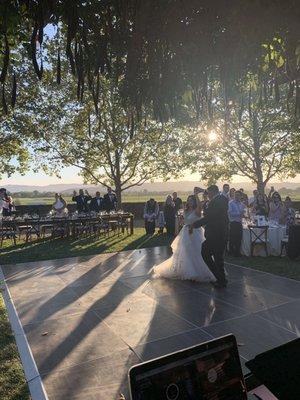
x=215 y=221
x=213 y=255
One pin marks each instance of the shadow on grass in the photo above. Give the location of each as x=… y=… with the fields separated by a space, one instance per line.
x=47 y=249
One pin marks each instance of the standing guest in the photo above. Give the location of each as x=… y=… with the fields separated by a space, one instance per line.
x=253 y=199
x=110 y=200
x=2 y=199
x=151 y=211
x=261 y=206
x=236 y=210
x=244 y=196
x=8 y=206
x=97 y=203
x=231 y=193
x=177 y=202
x=205 y=201
x=169 y=215
x=82 y=200
x=161 y=222
x=59 y=206
x=276 y=207
x=225 y=191
x=289 y=213
x=272 y=190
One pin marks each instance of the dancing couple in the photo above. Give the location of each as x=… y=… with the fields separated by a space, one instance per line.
x=199 y=254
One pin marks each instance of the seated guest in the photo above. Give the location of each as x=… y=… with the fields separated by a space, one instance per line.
x=231 y=193
x=289 y=213
x=225 y=191
x=59 y=207
x=178 y=204
x=110 y=201
x=82 y=200
x=275 y=207
x=261 y=206
x=151 y=211
x=169 y=215
x=236 y=210
x=244 y=198
x=97 y=203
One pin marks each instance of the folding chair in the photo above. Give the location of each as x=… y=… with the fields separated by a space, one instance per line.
x=258 y=236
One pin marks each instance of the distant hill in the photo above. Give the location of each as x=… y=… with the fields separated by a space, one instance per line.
x=180 y=186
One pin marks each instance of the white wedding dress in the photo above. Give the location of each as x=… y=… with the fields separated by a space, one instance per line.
x=186 y=261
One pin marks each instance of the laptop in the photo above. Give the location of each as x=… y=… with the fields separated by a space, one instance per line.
x=209 y=371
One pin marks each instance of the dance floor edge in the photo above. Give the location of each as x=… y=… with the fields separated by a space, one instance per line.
x=88 y=320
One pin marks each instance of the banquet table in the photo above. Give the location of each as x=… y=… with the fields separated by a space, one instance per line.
x=275 y=235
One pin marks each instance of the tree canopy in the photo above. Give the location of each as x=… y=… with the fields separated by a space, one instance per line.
x=161 y=48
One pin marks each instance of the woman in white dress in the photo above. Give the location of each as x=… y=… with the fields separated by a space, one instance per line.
x=186 y=261
x=59 y=207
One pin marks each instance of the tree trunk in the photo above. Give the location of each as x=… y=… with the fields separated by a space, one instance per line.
x=118 y=194
x=261 y=186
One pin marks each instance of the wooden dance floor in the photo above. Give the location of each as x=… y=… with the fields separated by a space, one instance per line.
x=88 y=320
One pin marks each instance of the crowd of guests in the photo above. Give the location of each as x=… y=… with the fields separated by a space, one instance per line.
x=240 y=206
x=165 y=218
x=86 y=203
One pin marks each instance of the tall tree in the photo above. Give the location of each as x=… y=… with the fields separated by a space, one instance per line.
x=258 y=140
x=113 y=148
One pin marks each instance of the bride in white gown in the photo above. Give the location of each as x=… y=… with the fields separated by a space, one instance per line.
x=186 y=261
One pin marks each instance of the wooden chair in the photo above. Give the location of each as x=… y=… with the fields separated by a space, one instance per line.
x=258 y=236
x=32 y=228
x=83 y=227
x=60 y=227
x=8 y=230
x=284 y=244
x=101 y=227
x=123 y=223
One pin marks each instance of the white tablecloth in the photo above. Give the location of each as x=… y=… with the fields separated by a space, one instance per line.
x=275 y=235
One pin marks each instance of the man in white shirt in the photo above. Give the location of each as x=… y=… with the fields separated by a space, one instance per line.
x=236 y=210
x=225 y=191
x=252 y=200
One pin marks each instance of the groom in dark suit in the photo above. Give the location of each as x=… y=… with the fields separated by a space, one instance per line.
x=215 y=221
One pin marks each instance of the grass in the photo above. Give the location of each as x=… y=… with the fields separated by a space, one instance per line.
x=13 y=385
x=281 y=266
x=127 y=198
x=142 y=198
x=47 y=249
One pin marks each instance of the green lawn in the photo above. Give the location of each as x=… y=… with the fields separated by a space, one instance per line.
x=12 y=380
x=127 y=198
x=47 y=249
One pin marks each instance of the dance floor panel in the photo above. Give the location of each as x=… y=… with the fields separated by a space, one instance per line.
x=89 y=319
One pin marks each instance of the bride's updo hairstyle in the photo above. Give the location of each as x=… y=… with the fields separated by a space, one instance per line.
x=191 y=199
